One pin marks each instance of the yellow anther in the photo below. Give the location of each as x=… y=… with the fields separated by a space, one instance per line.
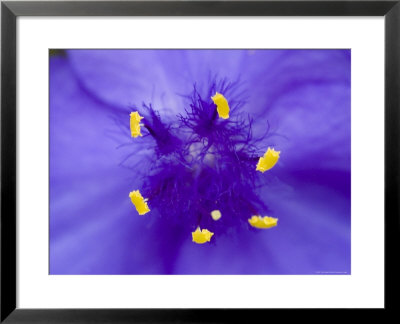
x=201 y=236
x=268 y=160
x=140 y=203
x=216 y=214
x=263 y=222
x=135 y=124
x=222 y=105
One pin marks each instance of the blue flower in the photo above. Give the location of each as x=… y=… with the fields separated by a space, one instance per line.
x=198 y=169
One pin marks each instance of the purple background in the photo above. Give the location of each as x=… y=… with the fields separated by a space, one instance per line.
x=303 y=94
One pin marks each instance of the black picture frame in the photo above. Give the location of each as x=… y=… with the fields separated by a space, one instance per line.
x=10 y=10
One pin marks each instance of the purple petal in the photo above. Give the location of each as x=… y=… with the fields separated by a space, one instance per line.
x=303 y=96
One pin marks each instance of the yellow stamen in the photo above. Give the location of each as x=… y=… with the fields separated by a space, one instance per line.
x=222 y=105
x=268 y=160
x=140 y=203
x=135 y=124
x=202 y=236
x=263 y=222
x=216 y=214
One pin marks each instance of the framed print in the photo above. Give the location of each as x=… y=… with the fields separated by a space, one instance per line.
x=190 y=160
